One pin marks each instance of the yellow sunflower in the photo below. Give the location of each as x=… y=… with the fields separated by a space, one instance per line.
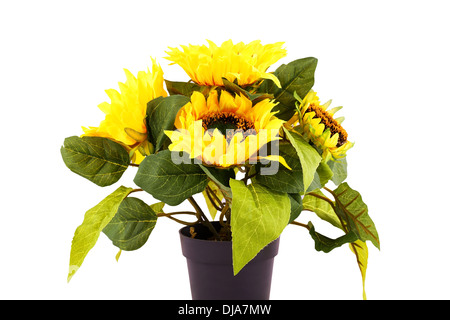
x=225 y=130
x=318 y=125
x=125 y=116
x=245 y=62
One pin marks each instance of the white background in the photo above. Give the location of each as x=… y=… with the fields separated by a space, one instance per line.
x=386 y=62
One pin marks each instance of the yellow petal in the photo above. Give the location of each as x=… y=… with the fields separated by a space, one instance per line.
x=125 y=115
x=279 y=159
x=272 y=77
x=245 y=62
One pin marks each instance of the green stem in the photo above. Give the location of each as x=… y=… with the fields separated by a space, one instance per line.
x=174 y=213
x=323 y=198
x=186 y=223
x=222 y=215
x=330 y=191
x=201 y=216
x=246 y=177
x=181 y=221
x=242 y=170
x=300 y=224
x=215 y=201
x=333 y=206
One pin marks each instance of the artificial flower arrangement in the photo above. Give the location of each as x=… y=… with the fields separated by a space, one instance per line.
x=259 y=146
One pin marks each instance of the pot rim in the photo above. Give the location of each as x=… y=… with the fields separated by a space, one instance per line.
x=194 y=248
x=200 y=225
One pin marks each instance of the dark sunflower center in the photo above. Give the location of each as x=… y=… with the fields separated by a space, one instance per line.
x=330 y=123
x=228 y=124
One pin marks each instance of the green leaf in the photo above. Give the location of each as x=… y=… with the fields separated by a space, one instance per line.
x=233 y=87
x=161 y=113
x=296 y=205
x=259 y=215
x=296 y=76
x=325 y=211
x=132 y=224
x=169 y=182
x=321 y=208
x=184 y=88
x=254 y=97
x=283 y=179
x=288 y=180
x=309 y=157
x=361 y=252
x=258 y=97
x=339 y=169
x=325 y=173
x=221 y=177
x=97 y=159
x=158 y=207
x=325 y=244
x=95 y=220
x=354 y=213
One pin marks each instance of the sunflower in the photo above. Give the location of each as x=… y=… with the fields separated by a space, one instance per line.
x=225 y=130
x=318 y=125
x=245 y=63
x=125 y=116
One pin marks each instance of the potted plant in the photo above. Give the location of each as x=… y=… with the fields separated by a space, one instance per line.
x=260 y=148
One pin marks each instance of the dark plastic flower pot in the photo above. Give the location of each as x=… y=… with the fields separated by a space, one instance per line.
x=211 y=269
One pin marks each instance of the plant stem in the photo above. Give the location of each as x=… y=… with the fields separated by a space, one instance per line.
x=344 y=226
x=300 y=224
x=216 y=202
x=201 y=216
x=169 y=215
x=330 y=191
x=196 y=206
x=181 y=221
x=134 y=164
x=222 y=215
x=333 y=206
x=242 y=170
x=323 y=198
x=174 y=213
